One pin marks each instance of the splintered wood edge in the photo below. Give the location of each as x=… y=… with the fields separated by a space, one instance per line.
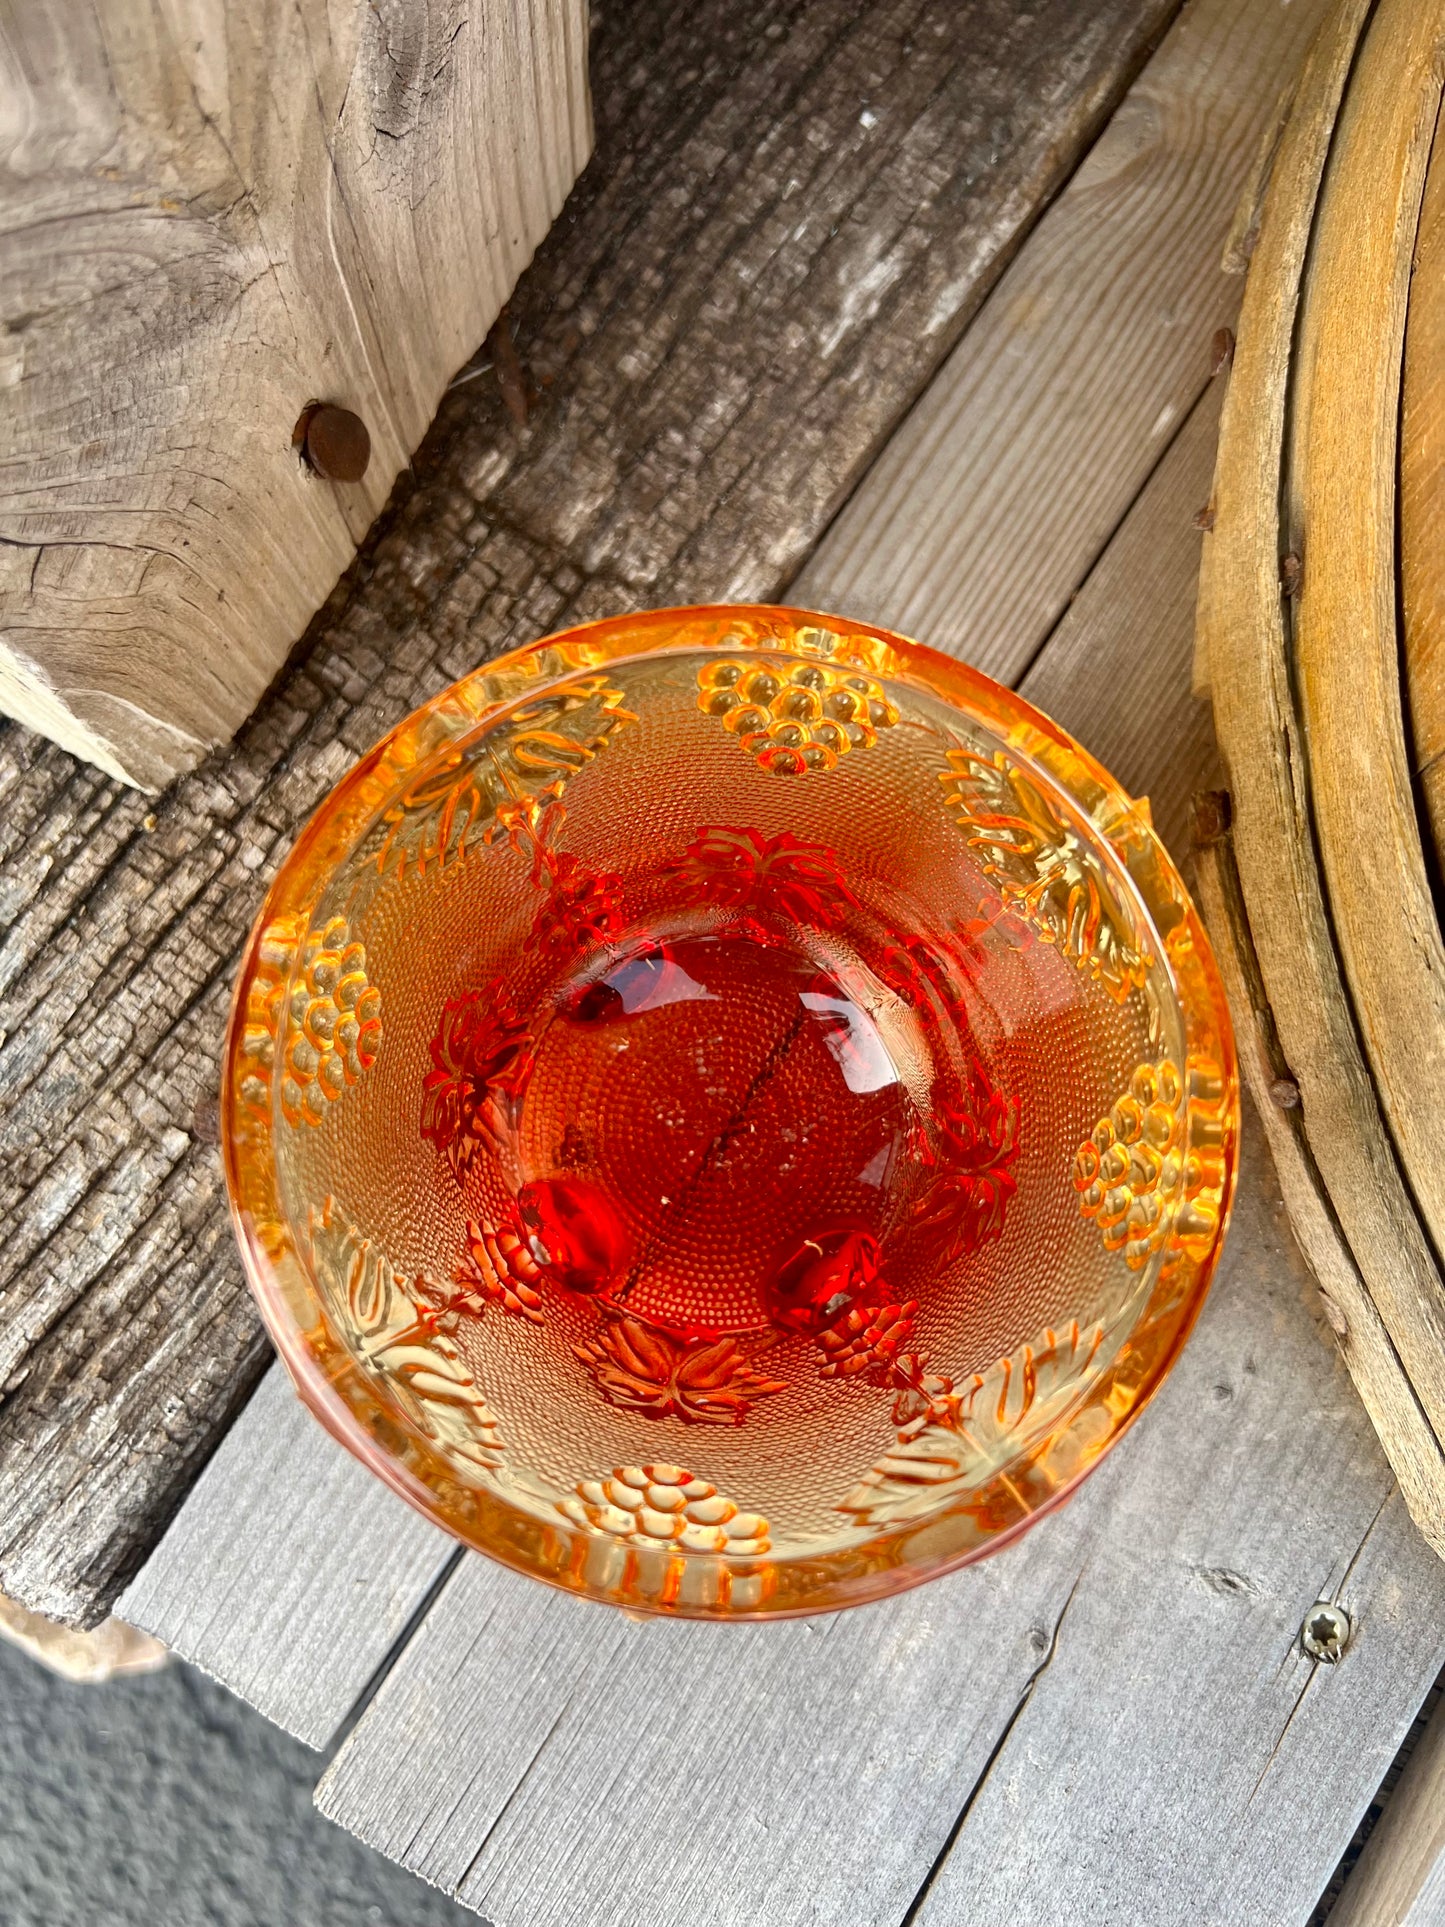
x=1241 y=622
x=1416 y=1455
x=1340 y=496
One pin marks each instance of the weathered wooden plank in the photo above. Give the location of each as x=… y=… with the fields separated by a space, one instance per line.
x=1124 y=1687
x=205 y=226
x=1243 y=630
x=1116 y=672
x=288 y=1574
x=530 y=1745
x=1399 y=1878
x=1095 y=345
x=793 y=212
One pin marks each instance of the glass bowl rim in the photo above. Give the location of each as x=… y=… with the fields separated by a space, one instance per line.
x=334 y=1385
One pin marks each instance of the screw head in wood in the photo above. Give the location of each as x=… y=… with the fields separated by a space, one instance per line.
x=1326 y=1631
x=334 y=441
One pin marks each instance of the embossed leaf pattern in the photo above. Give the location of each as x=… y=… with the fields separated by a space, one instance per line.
x=499 y=1270
x=540 y=746
x=950 y=1443
x=390 y=1321
x=729 y=868
x=977 y=1147
x=581 y=908
x=644 y=1370
x=1044 y=871
x=481 y=1060
x=867 y=1341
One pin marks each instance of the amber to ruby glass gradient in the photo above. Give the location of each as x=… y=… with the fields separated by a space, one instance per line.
x=729 y=1112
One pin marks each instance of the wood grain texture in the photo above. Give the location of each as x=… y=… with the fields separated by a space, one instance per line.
x=1242 y=626
x=289 y=1573
x=1116 y=672
x=1415 y=1451
x=1095 y=347
x=793 y=212
x=210 y=216
x=1422 y=501
x=1117 y=1706
x=1341 y=487
x=1399 y=1878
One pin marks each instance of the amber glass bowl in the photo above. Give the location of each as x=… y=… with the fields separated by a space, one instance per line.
x=729 y=1112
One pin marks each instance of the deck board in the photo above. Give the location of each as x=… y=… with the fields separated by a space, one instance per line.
x=289 y=1573
x=1091 y=351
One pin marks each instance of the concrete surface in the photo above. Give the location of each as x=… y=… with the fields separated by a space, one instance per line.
x=161 y=1801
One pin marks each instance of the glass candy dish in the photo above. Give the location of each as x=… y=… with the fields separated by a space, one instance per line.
x=729 y=1112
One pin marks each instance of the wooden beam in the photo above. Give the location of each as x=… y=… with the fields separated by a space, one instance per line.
x=1422 y=500
x=793 y=213
x=208 y=221
x=1341 y=523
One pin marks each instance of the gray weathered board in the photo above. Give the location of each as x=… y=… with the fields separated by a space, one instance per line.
x=289 y=1573
x=794 y=210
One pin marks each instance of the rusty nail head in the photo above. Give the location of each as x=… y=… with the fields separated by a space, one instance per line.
x=1326 y=1631
x=335 y=442
x=1284 y=1093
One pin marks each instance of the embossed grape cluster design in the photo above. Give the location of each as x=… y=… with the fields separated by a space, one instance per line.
x=331 y=1013
x=666 y=1506
x=1130 y=1168
x=795 y=716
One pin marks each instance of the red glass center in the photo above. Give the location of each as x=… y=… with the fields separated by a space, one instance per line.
x=713 y=1128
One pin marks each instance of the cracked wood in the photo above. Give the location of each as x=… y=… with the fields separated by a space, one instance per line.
x=211 y=216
